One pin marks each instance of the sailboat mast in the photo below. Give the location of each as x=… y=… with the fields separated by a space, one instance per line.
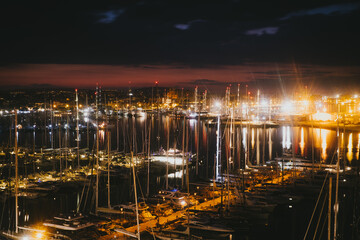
x=117 y=126
x=16 y=177
x=228 y=160
x=149 y=160
x=135 y=193
x=167 y=153
x=97 y=154
x=60 y=148
x=336 y=208
x=218 y=150
x=77 y=127
x=247 y=128
x=329 y=210
x=183 y=154
x=52 y=124
x=108 y=142
x=87 y=126
x=66 y=139
x=197 y=108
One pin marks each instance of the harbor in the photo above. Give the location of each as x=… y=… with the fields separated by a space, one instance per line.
x=241 y=184
x=174 y=120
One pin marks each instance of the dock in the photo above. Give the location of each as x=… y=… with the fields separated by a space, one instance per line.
x=182 y=213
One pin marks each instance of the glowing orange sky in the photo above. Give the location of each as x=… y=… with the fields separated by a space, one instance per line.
x=71 y=75
x=114 y=76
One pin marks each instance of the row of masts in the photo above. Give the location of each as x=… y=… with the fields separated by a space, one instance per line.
x=218 y=155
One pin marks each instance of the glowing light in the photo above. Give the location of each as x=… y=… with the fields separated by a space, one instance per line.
x=252 y=138
x=25 y=238
x=39 y=235
x=321 y=116
x=287 y=106
x=102 y=135
x=302 y=142
x=349 y=153
x=284 y=137
x=264 y=103
x=358 y=147
x=183 y=203
x=217 y=104
x=244 y=138
x=324 y=134
x=270 y=144
x=288 y=141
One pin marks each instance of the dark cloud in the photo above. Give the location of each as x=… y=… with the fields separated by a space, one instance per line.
x=182 y=26
x=110 y=16
x=325 y=10
x=186 y=26
x=262 y=31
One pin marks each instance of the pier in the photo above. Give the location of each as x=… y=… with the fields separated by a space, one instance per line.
x=162 y=221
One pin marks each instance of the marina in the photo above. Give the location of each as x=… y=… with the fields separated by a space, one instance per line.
x=174 y=120
x=91 y=191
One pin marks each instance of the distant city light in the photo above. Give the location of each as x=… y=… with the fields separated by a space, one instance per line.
x=287 y=106
x=322 y=116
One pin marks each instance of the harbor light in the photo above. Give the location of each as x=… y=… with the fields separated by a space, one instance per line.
x=322 y=116
x=39 y=235
x=217 y=104
x=183 y=203
x=287 y=106
x=264 y=103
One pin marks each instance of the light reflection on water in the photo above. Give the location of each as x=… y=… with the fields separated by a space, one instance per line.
x=101 y=136
x=302 y=142
x=277 y=140
x=324 y=134
x=270 y=143
x=286 y=141
x=349 y=153
x=358 y=147
x=252 y=138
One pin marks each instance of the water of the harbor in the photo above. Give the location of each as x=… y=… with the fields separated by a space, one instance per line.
x=130 y=133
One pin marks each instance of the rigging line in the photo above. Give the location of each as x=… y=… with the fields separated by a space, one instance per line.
x=320 y=215
x=317 y=201
x=82 y=193
x=226 y=124
x=323 y=225
x=143 y=197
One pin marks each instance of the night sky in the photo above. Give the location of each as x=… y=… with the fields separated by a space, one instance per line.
x=271 y=44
